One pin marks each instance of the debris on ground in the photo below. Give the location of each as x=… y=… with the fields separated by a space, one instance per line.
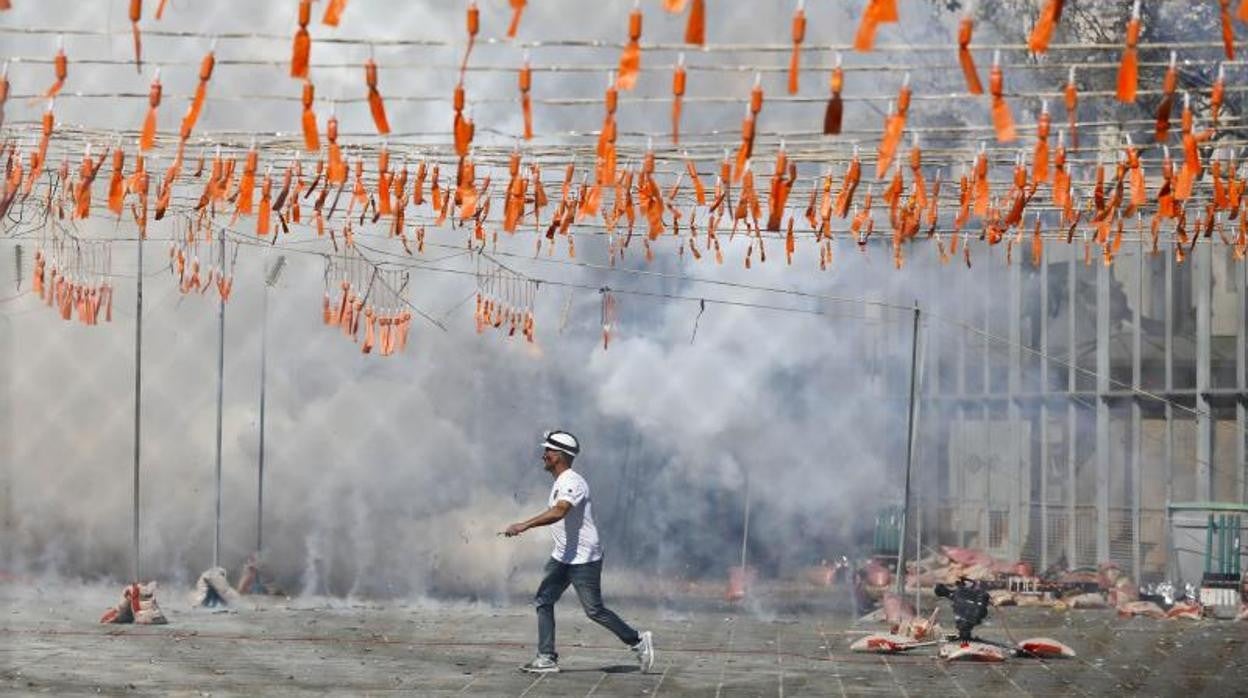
x=137 y=605
x=213 y=589
x=971 y=652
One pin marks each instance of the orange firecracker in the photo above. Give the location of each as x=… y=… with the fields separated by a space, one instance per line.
x=965 y=27
x=1042 y=33
x=1002 y=120
x=147 y=137
x=375 y=105
x=833 y=114
x=302 y=47
x=1129 y=68
x=799 y=35
x=630 y=59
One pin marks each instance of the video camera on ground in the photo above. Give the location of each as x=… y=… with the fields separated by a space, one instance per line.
x=970 y=605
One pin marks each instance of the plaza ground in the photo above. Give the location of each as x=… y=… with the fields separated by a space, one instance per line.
x=781 y=642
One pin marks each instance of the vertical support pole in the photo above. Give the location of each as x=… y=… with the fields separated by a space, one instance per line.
x=960 y=505
x=135 y=568
x=1203 y=272
x=1137 y=425
x=905 y=511
x=1019 y=513
x=745 y=524
x=264 y=361
x=1172 y=562
x=8 y=449
x=1209 y=527
x=984 y=520
x=1044 y=414
x=1226 y=543
x=1102 y=413
x=1241 y=382
x=1072 y=385
x=216 y=537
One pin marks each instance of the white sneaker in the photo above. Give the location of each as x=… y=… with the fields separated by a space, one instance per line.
x=541 y=664
x=645 y=651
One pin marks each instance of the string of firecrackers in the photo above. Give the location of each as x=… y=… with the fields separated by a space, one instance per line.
x=912 y=208
x=368 y=303
x=71 y=278
x=630 y=66
x=505 y=301
x=184 y=267
x=587 y=202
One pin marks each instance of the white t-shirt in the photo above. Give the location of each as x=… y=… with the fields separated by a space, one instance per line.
x=575 y=536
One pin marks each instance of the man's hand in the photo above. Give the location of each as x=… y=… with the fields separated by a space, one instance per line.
x=546 y=518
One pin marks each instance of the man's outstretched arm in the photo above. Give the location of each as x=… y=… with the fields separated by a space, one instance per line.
x=546 y=518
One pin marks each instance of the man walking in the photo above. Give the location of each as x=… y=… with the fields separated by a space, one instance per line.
x=576 y=560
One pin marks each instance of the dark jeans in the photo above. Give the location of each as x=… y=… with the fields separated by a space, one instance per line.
x=587 y=579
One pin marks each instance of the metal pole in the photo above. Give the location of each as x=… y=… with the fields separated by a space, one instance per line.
x=1241 y=380
x=135 y=569
x=1044 y=414
x=1203 y=281
x=745 y=527
x=1102 y=413
x=264 y=355
x=960 y=501
x=1072 y=440
x=905 y=511
x=1019 y=512
x=1172 y=562
x=1137 y=422
x=216 y=538
x=8 y=449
